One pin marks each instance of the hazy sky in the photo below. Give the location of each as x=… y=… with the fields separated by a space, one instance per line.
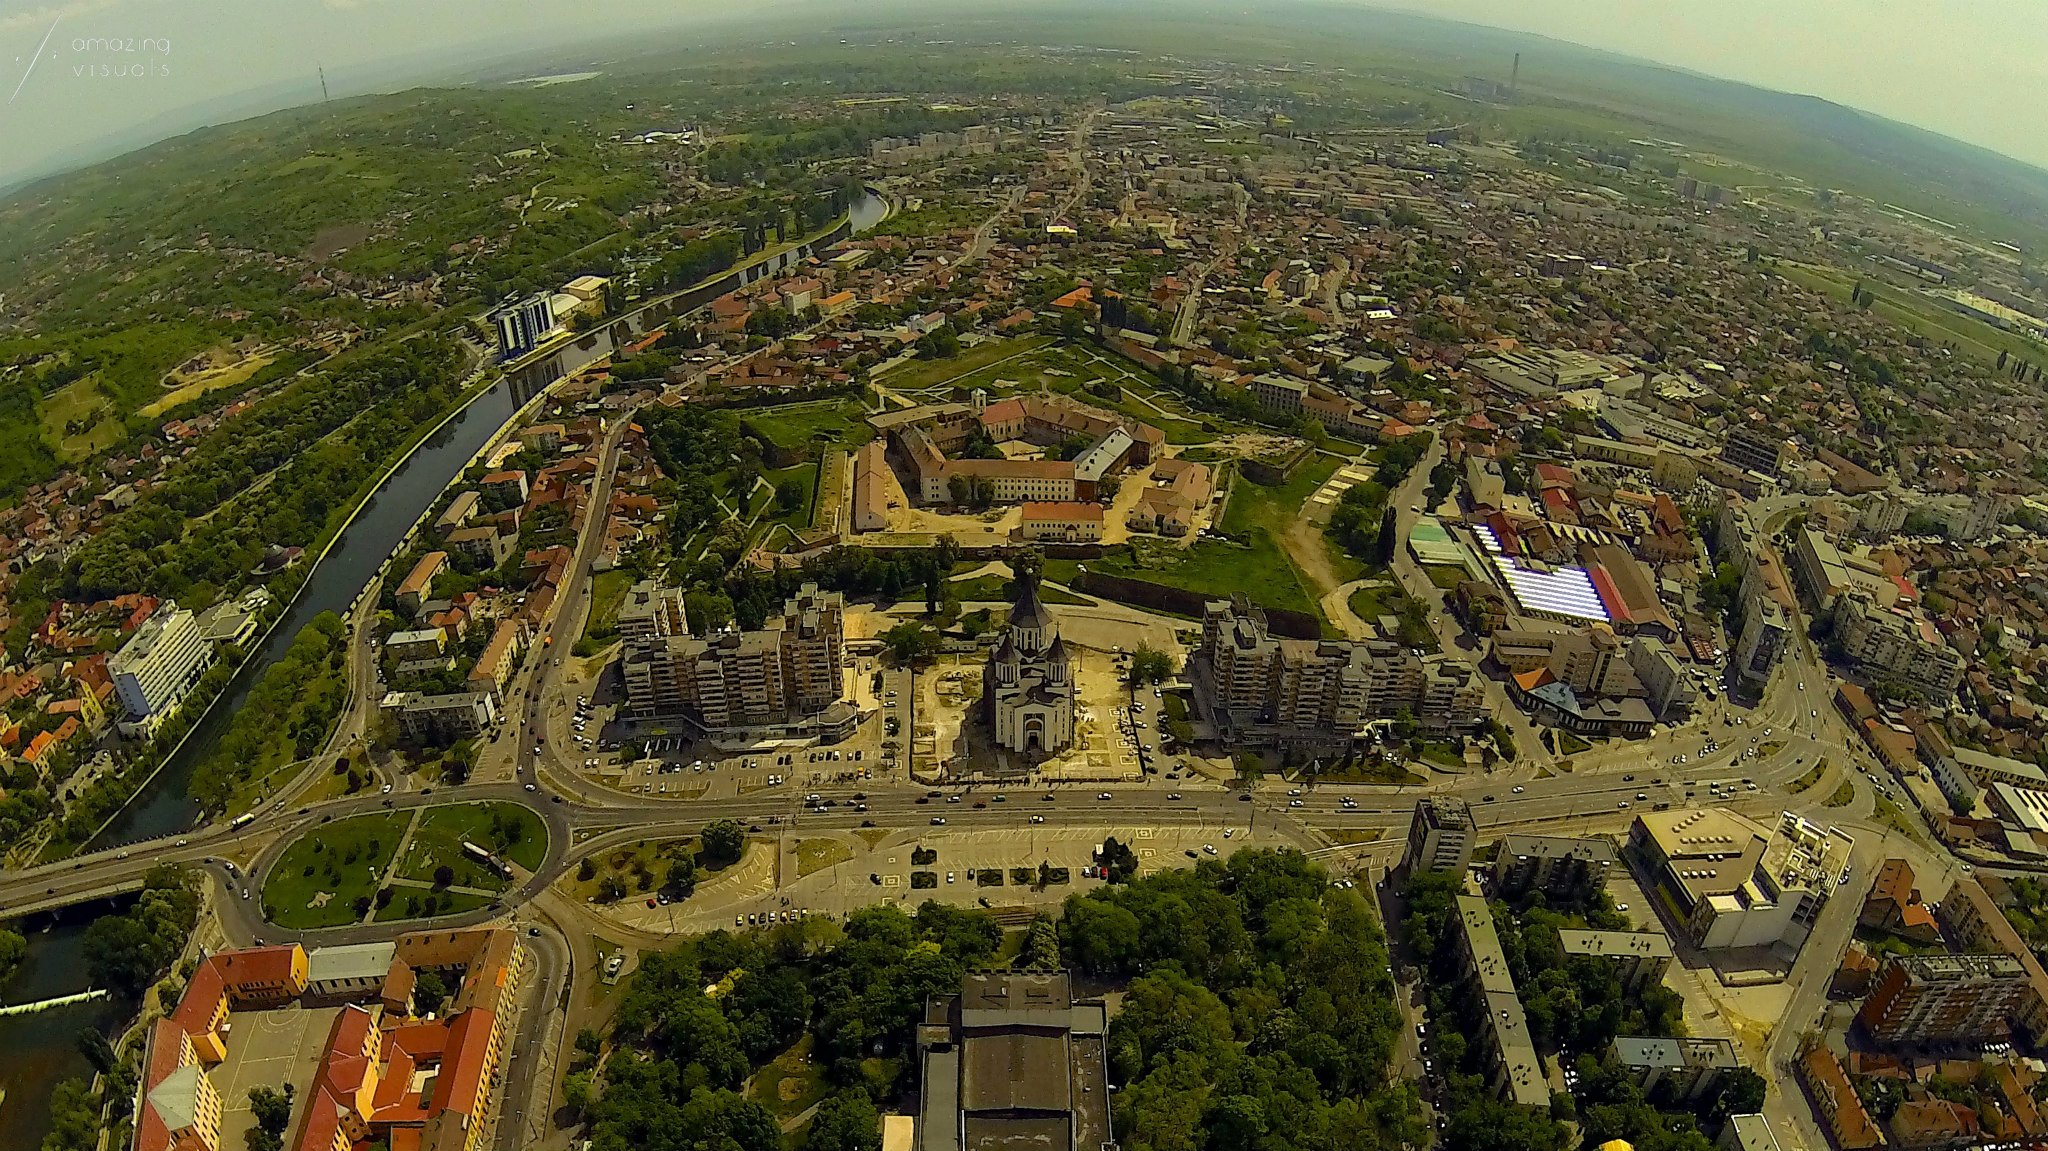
x=1975 y=69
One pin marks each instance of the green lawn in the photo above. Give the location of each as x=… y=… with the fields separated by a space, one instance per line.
x=1372 y=601
x=413 y=903
x=1255 y=566
x=607 y=592
x=790 y=1084
x=996 y=589
x=336 y=859
x=521 y=838
x=1915 y=313
x=818 y=424
x=921 y=374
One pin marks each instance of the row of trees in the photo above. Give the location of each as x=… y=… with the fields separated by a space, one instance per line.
x=286 y=716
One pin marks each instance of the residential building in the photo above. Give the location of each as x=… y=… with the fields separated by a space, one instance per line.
x=1754 y=451
x=788 y=673
x=483 y=543
x=523 y=324
x=1765 y=631
x=442 y=719
x=1013 y=1063
x=1067 y=523
x=418 y=585
x=1734 y=882
x=1827 y=574
x=162 y=661
x=1933 y=1122
x=1029 y=679
x=1836 y=1099
x=497 y=662
x=651 y=611
x=1564 y=870
x=1899 y=646
x=1894 y=905
x=1441 y=836
x=1501 y=1028
x=1639 y=958
x=1685 y=1069
x=1668 y=687
x=1979 y=925
x=459 y=512
x=1266 y=689
x=1943 y=999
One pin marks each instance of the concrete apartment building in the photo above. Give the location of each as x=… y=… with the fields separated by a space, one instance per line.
x=1013 y=1063
x=651 y=611
x=1667 y=687
x=1754 y=451
x=1563 y=869
x=1639 y=958
x=1735 y=882
x=1765 y=631
x=1441 y=836
x=1891 y=643
x=1826 y=574
x=158 y=666
x=787 y=673
x=1267 y=689
x=1502 y=1029
x=442 y=719
x=1975 y=921
x=1685 y=1068
x=1945 y=999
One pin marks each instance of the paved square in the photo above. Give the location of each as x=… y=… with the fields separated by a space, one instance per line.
x=268 y=1048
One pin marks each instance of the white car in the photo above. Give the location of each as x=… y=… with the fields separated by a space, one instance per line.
x=1104 y=795
x=1518 y=789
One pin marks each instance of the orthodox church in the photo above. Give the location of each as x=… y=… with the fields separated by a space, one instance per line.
x=1029 y=681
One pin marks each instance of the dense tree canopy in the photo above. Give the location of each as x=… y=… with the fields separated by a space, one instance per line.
x=1260 y=1013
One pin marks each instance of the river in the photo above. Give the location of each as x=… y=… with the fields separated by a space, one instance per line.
x=37 y=1051
x=162 y=806
x=40 y=1050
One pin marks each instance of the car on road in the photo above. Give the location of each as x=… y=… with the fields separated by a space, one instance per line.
x=1640 y=797
x=1294 y=803
x=1038 y=819
x=938 y=821
x=1173 y=795
x=1294 y=791
x=1105 y=795
x=1623 y=805
x=387 y=789
x=1517 y=789
x=1486 y=799
x=531 y=787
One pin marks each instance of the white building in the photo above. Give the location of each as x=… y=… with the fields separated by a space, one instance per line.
x=1029 y=680
x=1735 y=882
x=159 y=665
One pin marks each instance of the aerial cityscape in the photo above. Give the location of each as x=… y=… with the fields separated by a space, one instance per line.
x=1293 y=581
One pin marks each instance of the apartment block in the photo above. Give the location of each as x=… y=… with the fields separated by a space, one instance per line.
x=1503 y=1028
x=1441 y=836
x=1928 y=999
x=1639 y=958
x=1267 y=689
x=789 y=670
x=1895 y=644
x=1564 y=869
x=1685 y=1068
x=159 y=665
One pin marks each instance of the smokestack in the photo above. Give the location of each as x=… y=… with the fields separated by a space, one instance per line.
x=1514 y=77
